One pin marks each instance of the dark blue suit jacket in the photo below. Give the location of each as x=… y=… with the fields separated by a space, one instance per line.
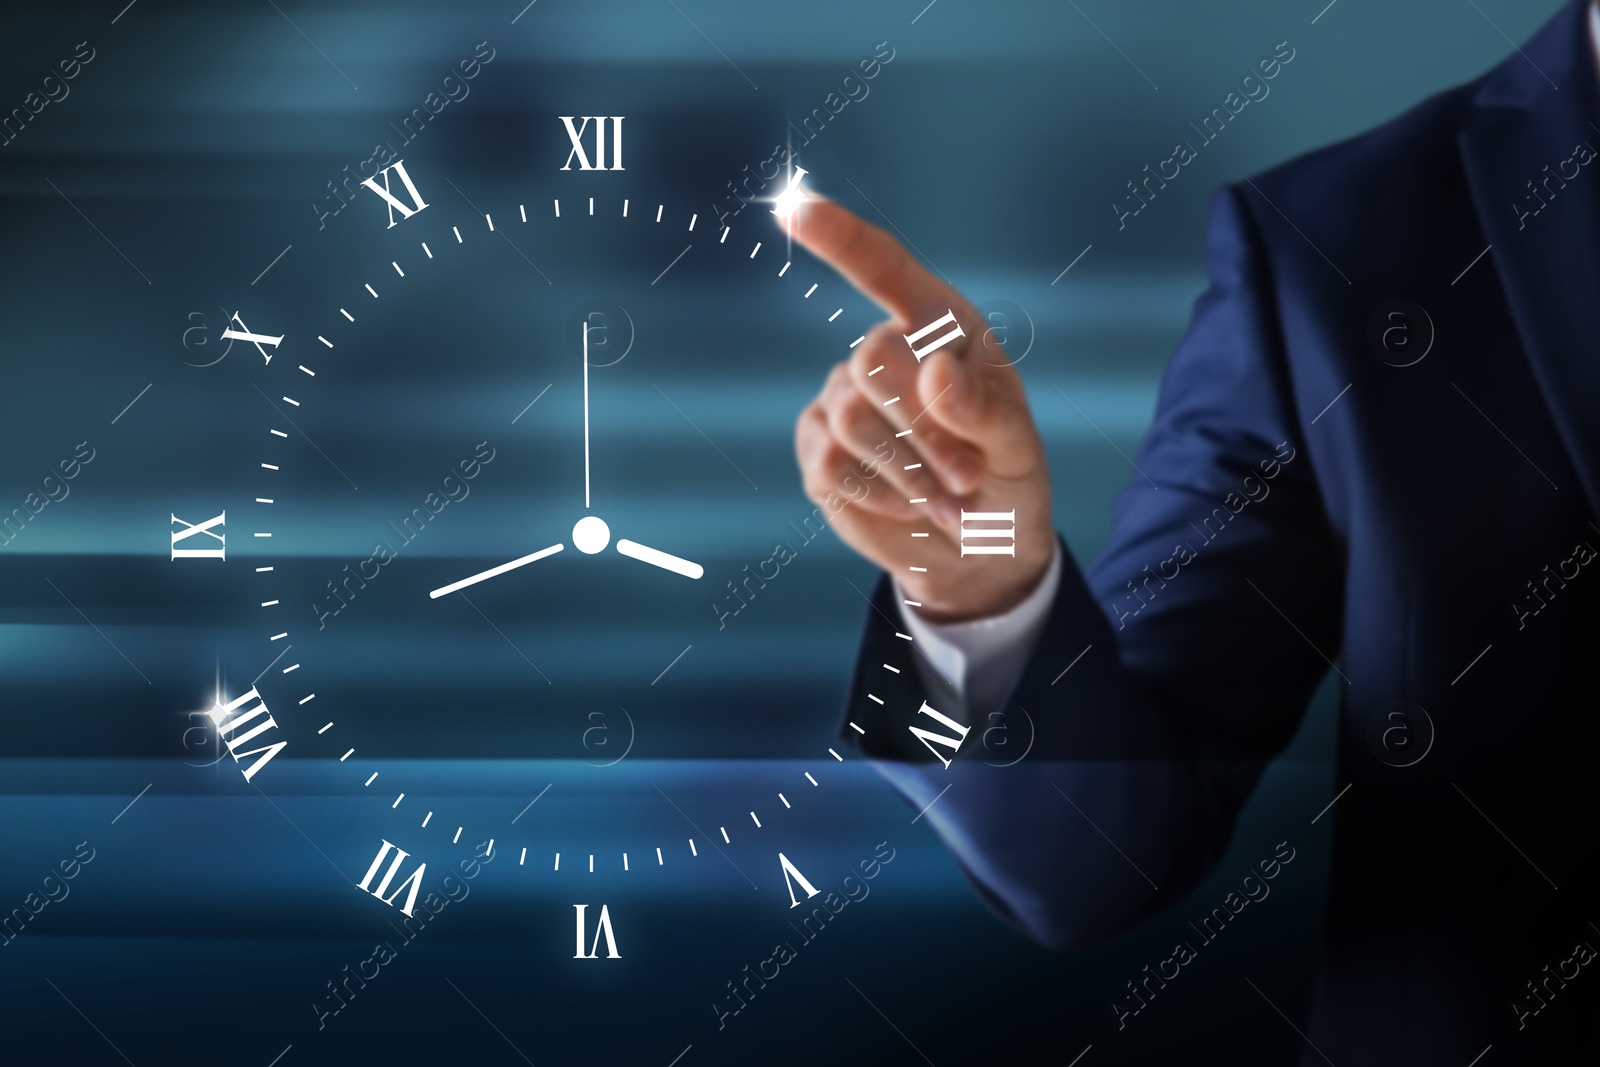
x=1428 y=528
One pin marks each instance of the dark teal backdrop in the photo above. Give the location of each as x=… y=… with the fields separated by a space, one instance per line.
x=149 y=199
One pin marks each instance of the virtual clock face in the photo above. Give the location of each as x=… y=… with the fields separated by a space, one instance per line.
x=544 y=368
x=451 y=536
x=469 y=387
x=474 y=564
x=473 y=611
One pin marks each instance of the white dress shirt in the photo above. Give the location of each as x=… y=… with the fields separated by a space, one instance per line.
x=982 y=658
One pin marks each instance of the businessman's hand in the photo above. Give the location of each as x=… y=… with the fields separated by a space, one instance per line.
x=971 y=433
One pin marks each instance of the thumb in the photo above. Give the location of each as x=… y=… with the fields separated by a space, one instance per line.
x=984 y=406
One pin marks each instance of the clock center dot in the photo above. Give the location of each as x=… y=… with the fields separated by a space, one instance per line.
x=591 y=534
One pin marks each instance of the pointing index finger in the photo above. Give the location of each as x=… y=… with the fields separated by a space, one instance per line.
x=871 y=260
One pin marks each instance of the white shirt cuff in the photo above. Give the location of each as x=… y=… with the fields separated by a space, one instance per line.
x=982 y=658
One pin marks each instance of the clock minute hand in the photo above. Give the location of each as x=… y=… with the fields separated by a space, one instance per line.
x=445 y=590
x=657 y=558
x=586 y=412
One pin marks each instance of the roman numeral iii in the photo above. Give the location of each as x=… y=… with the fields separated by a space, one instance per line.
x=993 y=533
x=575 y=135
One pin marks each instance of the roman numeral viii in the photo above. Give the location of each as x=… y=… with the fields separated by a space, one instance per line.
x=231 y=718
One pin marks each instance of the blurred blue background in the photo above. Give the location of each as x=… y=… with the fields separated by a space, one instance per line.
x=189 y=152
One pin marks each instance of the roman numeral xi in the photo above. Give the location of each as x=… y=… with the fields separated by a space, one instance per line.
x=394 y=203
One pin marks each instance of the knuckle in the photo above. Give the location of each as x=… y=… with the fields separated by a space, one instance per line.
x=841 y=387
x=854 y=420
x=810 y=433
x=877 y=350
x=939 y=447
x=817 y=477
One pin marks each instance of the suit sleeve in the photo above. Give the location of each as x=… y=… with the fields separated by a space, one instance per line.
x=1195 y=642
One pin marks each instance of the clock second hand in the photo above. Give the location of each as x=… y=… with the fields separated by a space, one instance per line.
x=446 y=590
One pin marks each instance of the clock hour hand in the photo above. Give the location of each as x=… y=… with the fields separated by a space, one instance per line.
x=445 y=590
x=657 y=558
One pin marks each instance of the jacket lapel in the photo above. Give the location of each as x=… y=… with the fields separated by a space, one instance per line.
x=1534 y=110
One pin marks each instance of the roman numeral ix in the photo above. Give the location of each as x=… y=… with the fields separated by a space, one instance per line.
x=220 y=551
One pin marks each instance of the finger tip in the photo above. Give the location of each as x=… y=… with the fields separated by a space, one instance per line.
x=799 y=215
x=820 y=223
